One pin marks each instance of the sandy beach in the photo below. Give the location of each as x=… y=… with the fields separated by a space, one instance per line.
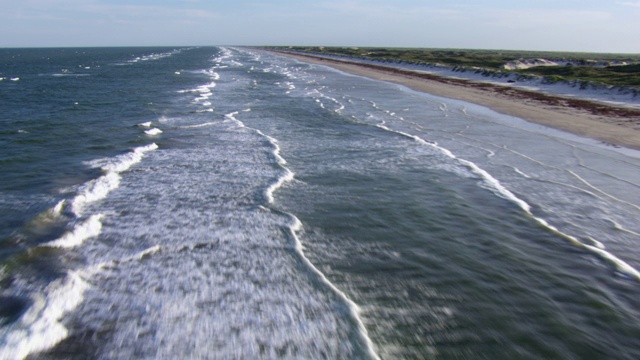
x=617 y=126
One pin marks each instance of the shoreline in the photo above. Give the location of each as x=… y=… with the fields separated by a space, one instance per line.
x=613 y=125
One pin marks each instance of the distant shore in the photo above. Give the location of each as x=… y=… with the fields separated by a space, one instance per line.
x=613 y=125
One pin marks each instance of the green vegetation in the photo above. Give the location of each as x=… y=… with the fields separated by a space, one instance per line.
x=628 y=75
x=583 y=67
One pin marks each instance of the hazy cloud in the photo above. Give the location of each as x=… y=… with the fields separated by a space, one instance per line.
x=631 y=3
x=569 y=25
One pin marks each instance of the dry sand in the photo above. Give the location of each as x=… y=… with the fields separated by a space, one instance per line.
x=617 y=126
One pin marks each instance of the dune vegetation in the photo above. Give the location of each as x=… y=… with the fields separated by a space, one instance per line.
x=608 y=69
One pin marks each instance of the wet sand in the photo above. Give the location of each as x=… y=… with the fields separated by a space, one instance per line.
x=613 y=125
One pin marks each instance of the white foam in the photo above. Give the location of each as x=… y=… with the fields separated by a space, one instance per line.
x=198 y=125
x=48 y=219
x=620 y=265
x=15 y=79
x=518 y=171
x=40 y=328
x=492 y=184
x=150 y=251
x=288 y=176
x=354 y=310
x=622 y=228
x=296 y=226
x=81 y=232
x=58 y=208
x=232 y=116
x=154 y=131
x=212 y=74
x=145 y=124
x=99 y=188
x=204 y=91
x=94 y=190
x=123 y=162
x=151 y=57
x=588 y=184
x=206 y=88
x=69 y=75
x=596 y=243
x=202 y=98
x=488 y=181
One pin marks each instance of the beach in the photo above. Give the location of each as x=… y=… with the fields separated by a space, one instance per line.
x=218 y=202
x=613 y=125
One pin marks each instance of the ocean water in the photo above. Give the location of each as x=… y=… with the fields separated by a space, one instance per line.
x=228 y=203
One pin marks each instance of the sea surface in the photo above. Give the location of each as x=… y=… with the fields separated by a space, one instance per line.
x=228 y=203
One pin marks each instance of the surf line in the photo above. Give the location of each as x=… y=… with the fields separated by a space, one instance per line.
x=295 y=227
x=90 y=192
x=497 y=188
x=40 y=328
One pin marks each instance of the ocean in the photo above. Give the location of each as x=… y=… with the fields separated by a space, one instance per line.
x=229 y=203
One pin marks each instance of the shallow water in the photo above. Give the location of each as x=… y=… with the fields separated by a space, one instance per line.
x=228 y=203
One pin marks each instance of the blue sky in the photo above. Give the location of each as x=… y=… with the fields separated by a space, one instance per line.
x=563 y=25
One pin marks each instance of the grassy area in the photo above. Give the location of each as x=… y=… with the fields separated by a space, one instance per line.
x=586 y=67
x=614 y=75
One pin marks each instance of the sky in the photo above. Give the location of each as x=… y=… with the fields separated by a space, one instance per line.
x=555 y=25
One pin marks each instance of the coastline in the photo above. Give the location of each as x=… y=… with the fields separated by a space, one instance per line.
x=613 y=125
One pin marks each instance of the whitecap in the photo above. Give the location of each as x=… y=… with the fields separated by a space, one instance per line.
x=40 y=329
x=197 y=125
x=122 y=162
x=94 y=190
x=492 y=184
x=99 y=188
x=81 y=232
x=154 y=131
x=295 y=226
x=47 y=219
x=354 y=310
x=69 y=74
